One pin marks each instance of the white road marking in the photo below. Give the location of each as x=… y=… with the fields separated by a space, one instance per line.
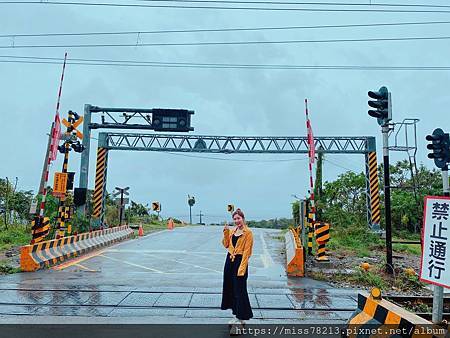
x=86 y=268
x=180 y=262
x=265 y=257
x=132 y=264
x=167 y=251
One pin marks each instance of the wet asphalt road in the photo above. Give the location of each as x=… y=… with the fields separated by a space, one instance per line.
x=165 y=277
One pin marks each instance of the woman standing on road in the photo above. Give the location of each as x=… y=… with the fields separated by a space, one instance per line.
x=239 y=243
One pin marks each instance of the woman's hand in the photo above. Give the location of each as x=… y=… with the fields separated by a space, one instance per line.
x=226 y=227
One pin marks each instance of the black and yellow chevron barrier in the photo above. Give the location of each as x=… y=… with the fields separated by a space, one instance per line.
x=44 y=254
x=100 y=183
x=374 y=188
x=322 y=233
x=376 y=317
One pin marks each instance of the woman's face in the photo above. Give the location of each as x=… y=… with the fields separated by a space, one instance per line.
x=238 y=220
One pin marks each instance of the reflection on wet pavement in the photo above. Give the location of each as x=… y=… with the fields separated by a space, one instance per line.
x=172 y=274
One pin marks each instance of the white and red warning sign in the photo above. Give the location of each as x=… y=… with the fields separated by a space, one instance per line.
x=435 y=264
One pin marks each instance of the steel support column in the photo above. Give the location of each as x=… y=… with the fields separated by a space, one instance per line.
x=84 y=164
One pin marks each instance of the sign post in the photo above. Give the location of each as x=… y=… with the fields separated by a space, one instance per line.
x=121 y=201
x=435 y=263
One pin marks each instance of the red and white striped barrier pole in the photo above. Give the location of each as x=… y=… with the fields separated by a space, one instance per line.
x=311 y=155
x=55 y=138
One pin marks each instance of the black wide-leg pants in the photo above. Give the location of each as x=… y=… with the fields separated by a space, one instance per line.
x=234 y=293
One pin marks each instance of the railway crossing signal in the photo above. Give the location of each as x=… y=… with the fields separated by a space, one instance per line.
x=230 y=207
x=440 y=146
x=123 y=191
x=382 y=104
x=72 y=123
x=71 y=138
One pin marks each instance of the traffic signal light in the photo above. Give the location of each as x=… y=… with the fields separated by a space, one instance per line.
x=191 y=200
x=440 y=145
x=78 y=147
x=62 y=148
x=156 y=206
x=172 y=120
x=230 y=208
x=382 y=104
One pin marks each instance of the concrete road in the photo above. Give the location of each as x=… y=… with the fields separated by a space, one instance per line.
x=167 y=276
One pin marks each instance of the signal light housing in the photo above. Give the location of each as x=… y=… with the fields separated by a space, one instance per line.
x=382 y=105
x=440 y=146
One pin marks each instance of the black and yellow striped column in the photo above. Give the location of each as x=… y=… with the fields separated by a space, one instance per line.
x=40 y=227
x=61 y=227
x=69 y=216
x=310 y=224
x=322 y=232
x=373 y=190
x=100 y=183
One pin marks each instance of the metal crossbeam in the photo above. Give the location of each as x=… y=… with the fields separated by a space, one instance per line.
x=235 y=144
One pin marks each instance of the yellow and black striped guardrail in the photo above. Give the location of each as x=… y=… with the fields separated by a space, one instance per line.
x=374 y=188
x=376 y=317
x=44 y=254
x=100 y=182
x=295 y=257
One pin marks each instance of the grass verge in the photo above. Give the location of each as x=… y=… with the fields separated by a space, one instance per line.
x=15 y=235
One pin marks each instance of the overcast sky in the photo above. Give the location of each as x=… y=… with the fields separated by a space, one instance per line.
x=226 y=101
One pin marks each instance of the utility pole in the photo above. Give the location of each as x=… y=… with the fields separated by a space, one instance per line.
x=200 y=214
x=387 y=199
x=383 y=113
x=121 y=200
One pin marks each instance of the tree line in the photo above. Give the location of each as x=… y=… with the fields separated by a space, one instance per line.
x=342 y=202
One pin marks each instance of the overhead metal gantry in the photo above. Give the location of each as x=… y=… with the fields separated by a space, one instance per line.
x=122 y=117
x=235 y=144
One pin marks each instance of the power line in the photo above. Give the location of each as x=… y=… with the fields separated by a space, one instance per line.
x=226 y=7
x=228 y=43
x=238 y=160
x=338 y=165
x=213 y=30
x=305 y=3
x=162 y=64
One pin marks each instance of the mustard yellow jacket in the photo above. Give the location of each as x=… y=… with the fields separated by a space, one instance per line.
x=243 y=247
